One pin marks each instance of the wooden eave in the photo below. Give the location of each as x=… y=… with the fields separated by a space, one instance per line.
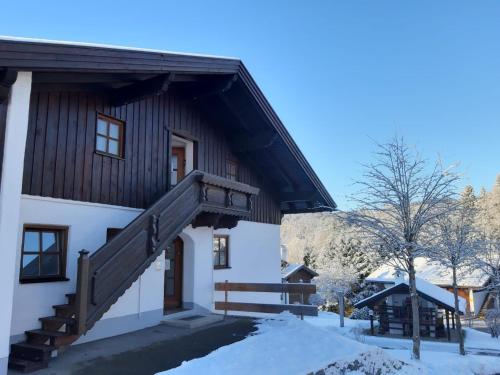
x=57 y=57
x=400 y=289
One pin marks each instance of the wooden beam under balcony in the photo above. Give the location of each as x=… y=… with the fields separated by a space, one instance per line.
x=7 y=79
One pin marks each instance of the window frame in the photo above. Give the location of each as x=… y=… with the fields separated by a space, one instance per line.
x=229 y=175
x=120 y=140
x=226 y=265
x=61 y=238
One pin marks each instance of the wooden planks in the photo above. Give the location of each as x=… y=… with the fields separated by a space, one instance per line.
x=307 y=310
x=266 y=287
x=60 y=160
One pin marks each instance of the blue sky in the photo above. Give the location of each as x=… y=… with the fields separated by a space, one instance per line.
x=339 y=73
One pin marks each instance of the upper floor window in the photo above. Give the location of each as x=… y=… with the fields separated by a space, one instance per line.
x=221 y=251
x=110 y=136
x=43 y=254
x=231 y=170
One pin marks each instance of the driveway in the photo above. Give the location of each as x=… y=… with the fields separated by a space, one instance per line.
x=147 y=351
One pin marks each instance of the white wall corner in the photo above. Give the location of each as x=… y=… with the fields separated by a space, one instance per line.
x=10 y=198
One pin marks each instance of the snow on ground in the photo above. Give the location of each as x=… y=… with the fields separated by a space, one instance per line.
x=287 y=345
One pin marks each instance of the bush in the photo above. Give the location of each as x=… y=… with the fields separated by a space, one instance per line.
x=362 y=313
x=492 y=319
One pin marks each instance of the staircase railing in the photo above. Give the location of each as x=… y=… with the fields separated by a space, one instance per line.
x=106 y=274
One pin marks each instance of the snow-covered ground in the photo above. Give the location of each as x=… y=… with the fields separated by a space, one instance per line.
x=288 y=345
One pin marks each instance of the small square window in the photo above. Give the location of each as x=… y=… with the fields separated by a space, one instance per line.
x=43 y=254
x=110 y=136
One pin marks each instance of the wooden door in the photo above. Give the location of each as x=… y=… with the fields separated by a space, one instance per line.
x=173 y=275
x=178 y=164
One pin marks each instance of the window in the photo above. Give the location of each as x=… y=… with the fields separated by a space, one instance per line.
x=231 y=170
x=221 y=251
x=109 y=136
x=43 y=256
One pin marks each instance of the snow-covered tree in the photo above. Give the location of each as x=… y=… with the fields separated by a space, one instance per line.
x=488 y=259
x=399 y=197
x=333 y=278
x=455 y=243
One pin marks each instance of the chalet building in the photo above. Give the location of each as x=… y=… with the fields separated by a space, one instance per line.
x=131 y=182
x=435 y=273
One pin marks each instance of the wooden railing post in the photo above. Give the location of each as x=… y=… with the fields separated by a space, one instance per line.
x=225 y=298
x=82 y=290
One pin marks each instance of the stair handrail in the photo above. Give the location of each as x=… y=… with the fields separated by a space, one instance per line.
x=147 y=221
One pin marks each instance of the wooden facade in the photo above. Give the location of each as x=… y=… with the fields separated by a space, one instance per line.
x=61 y=161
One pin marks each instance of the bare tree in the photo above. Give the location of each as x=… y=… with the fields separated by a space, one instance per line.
x=455 y=244
x=399 y=197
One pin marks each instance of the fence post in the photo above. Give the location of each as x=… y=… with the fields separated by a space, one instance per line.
x=225 y=298
x=372 y=330
x=341 y=307
x=82 y=289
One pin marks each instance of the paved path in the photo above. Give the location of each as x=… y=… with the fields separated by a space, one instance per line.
x=147 y=351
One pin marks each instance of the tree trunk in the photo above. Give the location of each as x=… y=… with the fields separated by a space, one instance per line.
x=414 y=310
x=457 y=314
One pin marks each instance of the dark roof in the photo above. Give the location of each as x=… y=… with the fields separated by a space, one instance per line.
x=218 y=83
x=401 y=288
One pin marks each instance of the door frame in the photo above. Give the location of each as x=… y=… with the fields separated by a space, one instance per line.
x=175 y=302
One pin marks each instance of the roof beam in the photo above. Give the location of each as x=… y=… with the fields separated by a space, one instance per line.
x=259 y=141
x=217 y=89
x=7 y=79
x=298 y=196
x=149 y=87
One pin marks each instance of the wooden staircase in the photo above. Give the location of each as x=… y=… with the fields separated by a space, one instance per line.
x=57 y=331
x=199 y=199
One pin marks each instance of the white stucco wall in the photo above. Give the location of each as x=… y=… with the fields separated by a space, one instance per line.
x=254 y=253
x=254 y=256
x=10 y=200
x=87 y=230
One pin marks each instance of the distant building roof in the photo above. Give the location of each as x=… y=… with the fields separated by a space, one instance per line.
x=432 y=272
x=292 y=268
x=425 y=289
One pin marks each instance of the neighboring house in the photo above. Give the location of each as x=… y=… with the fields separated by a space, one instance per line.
x=485 y=298
x=132 y=181
x=297 y=273
x=392 y=306
x=436 y=274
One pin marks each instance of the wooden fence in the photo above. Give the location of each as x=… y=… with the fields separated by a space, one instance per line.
x=297 y=309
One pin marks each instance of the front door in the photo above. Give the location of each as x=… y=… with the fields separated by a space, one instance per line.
x=178 y=164
x=173 y=275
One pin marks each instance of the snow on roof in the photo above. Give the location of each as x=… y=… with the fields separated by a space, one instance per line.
x=291 y=268
x=435 y=292
x=110 y=46
x=438 y=293
x=432 y=272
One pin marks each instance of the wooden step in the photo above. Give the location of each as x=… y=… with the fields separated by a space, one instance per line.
x=65 y=310
x=71 y=298
x=25 y=365
x=54 y=323
x=54 y=338
x=32 y=352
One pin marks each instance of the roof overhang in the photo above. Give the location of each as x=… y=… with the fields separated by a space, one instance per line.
x=401 y=288
x=221 y=87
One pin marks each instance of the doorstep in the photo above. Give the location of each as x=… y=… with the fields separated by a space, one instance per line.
x=193 y=320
